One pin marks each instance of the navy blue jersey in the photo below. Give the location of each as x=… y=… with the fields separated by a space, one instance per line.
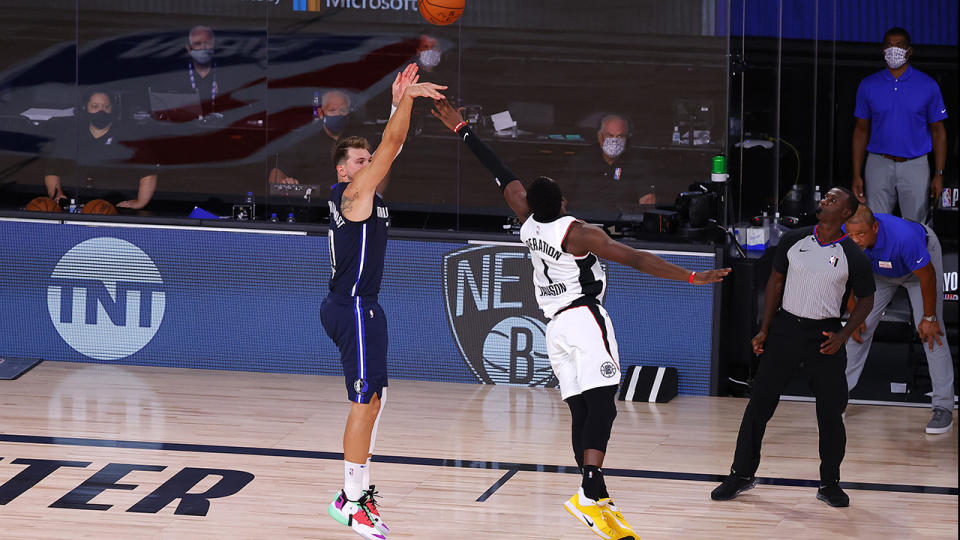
x=357 y=248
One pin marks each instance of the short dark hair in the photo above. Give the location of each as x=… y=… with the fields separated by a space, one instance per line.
x=852 y=203
x=339 y=152
x=545 y=199
x=863 y=215
x=90 y=92
x=897 y=31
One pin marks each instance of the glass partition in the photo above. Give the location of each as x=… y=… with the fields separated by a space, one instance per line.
x=162 y=107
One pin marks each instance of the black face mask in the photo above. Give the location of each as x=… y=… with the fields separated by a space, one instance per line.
x=100 y=119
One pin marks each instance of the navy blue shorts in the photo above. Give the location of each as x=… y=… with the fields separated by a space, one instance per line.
x=359 y=328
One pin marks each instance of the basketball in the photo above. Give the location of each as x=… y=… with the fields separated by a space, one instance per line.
x=101 y=207
x=441 y=12
x=43 y=204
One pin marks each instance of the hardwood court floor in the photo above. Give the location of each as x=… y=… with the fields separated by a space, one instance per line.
x=286 y=429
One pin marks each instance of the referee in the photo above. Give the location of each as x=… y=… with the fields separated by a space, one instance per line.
x=814 y=269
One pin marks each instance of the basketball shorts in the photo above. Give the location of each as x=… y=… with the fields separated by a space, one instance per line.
x=359 y=328
x=583 y=349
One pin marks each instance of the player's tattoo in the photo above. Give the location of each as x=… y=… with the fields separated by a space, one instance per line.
x=346 y=202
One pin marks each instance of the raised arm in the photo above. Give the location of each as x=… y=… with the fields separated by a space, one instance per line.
x=365 y=181
x=513 y=190
x=403 y=79
x=583 y=238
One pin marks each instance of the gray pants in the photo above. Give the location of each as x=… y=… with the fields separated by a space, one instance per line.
x=939 y=359
x=887 y=181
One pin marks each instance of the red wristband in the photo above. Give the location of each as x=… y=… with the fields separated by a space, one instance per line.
x=690 y=279
x=458 y=126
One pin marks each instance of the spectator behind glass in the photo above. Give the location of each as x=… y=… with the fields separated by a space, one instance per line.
x=613 y=177
x=223 y=80
x=94 y=151
x=310 y=160
x=201 y=68
x=900 y=115
x=436 y=59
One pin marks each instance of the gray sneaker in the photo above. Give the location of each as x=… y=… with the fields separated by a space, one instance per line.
x=941 y=422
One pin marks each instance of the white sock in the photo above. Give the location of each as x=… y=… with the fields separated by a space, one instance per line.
x=365 y=475
x=353 y=480
x=584 y=500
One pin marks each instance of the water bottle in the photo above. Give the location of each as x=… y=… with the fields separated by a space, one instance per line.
x=316 y=106
x=253 y=206
x=73 y=206
x=274 y=218
x=816 y=195
x=676 y=135
x=290 y=218
x=776 y=231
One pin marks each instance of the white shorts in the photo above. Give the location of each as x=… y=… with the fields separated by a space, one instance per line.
x=583 y=349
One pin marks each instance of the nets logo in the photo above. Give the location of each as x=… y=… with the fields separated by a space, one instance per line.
x=106 y=298
x=494 y=317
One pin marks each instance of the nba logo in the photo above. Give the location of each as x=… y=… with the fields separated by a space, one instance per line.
x=105 y=298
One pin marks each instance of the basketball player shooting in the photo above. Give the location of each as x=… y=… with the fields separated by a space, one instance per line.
x=350 y=313
x=570 y=284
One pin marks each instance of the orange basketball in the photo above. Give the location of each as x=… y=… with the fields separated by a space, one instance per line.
x=99 y=206
x=43 y=204
x=441 y=12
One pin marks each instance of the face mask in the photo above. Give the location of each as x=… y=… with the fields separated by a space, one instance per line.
x=100 y=119
x=613 y=146
x=202 y=56
x=895 y=57
x=429 y=58
x=335 y=124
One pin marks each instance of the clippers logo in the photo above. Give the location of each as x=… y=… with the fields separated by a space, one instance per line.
x=608 y=369
x=106 y=298
x=494 y=316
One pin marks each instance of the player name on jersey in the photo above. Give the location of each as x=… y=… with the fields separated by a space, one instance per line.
x=553 y=290
x=537 y=244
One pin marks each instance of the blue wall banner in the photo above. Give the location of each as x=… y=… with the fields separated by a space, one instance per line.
x=248 y=300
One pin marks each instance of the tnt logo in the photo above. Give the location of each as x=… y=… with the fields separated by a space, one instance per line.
x=106 y=298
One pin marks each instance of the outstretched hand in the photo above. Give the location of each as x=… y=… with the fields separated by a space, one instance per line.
x=447 y=114
x=425 y=89
x=404 y=79
x=710 y=276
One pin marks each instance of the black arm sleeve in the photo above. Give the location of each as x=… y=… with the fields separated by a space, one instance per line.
x=502 y=175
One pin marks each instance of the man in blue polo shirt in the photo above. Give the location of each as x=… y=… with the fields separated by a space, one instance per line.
x=905 y=254
x=900 y=115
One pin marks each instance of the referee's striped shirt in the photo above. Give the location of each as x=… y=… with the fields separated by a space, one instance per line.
x=821 y=275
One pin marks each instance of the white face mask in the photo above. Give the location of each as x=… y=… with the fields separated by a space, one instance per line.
x=895 y=57
x=429 y=58
x=613 y=146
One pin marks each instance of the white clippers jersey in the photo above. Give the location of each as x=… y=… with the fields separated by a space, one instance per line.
x=559 y=277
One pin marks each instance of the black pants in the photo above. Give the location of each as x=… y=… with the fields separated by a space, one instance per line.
x=794 y=342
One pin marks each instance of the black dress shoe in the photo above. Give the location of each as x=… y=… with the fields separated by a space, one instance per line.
x=732 y=486
x=833 y=495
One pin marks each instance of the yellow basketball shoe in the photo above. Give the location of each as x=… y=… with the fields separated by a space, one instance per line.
x=588 y=513
x=615 y=519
